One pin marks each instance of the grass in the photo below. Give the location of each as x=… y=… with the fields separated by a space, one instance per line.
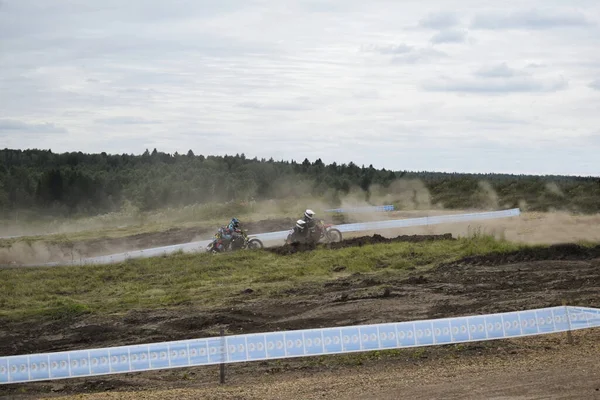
x=207 y=281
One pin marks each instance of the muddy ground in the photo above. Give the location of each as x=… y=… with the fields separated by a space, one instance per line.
x=476 y=285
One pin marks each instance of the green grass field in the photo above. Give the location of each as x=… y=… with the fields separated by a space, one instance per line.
x=205 y=280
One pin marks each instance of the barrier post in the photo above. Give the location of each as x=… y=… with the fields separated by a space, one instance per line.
x=569 y=333
x=223 y=352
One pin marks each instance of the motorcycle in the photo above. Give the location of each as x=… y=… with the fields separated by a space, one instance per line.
x=324 y=233
x=241 y=242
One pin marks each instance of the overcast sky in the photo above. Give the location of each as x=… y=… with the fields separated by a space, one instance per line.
x=465 y=85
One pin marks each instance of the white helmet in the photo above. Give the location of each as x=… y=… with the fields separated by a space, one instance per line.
x=309 y=214
x=301 y=223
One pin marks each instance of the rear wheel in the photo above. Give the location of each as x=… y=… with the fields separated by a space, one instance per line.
x=334 y=235
x=212 y=248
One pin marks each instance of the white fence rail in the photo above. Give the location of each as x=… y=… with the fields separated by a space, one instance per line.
x=298 y=343
x=366 y=209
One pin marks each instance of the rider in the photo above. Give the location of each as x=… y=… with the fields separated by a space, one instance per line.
x=310 y=223
x=299 y=230
x=230 y=232
x=234 y=225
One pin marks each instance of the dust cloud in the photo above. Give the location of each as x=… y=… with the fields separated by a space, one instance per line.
x=553 y=188
x=39 y=252
x=410 y=197
x=533 y=228
x=487 y=196
x=406 y=194
x=23 y=252
x=127 y=216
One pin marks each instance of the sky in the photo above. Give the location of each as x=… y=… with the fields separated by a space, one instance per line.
x=465 y=86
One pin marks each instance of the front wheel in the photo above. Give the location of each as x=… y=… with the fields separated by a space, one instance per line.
x=255 y=243
x=334 y=235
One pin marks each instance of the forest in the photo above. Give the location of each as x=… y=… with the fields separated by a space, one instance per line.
x=78 y=184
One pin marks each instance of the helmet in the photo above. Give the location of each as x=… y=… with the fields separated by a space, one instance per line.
x=309 y=214
x=235 y=222
x=301 y=223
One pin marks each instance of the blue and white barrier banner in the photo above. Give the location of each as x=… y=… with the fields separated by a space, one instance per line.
x=364 y=209
x=290 y=344
x=194 y=247
x=424 y=221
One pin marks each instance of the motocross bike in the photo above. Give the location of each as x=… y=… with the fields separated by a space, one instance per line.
x=322 y=233
x=240 y=242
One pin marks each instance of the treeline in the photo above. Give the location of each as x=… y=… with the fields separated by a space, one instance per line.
x=86 y=184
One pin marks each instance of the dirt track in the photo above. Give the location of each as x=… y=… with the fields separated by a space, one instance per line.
x=522 y=280
x=530 y=227
x=41 y=252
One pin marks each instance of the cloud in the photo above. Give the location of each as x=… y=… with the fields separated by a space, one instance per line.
x=449 y=36
x=501 y=70
x=126 y=120
x=393 y=49
x=260 y=78
x=439 y=20
x=499 y=119
x=517 y=85
x=275 y=106
x=531 y=19
x=495 y=79
x=405 y=54
x=536 y=65
x=592 y=139
x=595 y=84
x=13 y=126
x=418 y=55
x=367 y=94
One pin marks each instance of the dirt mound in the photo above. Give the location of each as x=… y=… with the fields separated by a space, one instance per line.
x=288 y=249
x=567 y=252
x=375 y=239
